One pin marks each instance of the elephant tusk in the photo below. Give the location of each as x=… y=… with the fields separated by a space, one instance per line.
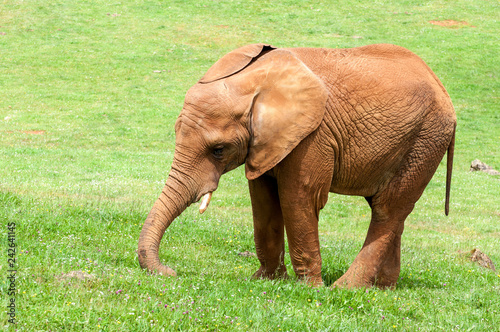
x=205 y=201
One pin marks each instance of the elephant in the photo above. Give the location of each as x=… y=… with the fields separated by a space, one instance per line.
x=371 y=121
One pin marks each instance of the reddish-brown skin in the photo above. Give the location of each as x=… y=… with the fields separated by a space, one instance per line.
x=372 y=121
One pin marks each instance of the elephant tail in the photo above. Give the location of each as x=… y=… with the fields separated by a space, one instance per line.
x=449 y=168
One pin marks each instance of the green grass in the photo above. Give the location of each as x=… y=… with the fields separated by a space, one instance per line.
x=86 y=142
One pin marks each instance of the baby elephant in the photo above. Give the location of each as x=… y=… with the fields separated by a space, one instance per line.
x=372 y=121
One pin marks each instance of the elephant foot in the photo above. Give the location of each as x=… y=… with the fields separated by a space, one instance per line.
x=347 y=283
x=355 y=278
x=313 y=282
x=387 y=280
x=166 y=271
x=362 y=279
x=263 y=273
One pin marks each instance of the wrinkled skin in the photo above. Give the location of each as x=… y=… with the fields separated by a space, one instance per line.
x=372 y=121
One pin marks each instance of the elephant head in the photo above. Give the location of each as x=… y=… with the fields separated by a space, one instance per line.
x=252 y=107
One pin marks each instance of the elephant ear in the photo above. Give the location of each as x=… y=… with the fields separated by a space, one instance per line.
x=288 y=104
x=234 y=62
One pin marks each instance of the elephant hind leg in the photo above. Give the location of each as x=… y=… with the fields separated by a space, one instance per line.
x=378 y=262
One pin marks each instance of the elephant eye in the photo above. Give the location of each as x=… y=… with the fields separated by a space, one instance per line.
x=218 y=151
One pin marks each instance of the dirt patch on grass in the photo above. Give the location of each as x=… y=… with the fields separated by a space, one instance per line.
x=247 y=254
x=80 y=275
x=34 y=132
x=29 y=132
x=452 y=24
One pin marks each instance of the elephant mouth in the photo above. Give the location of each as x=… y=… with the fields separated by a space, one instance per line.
x=205 y=200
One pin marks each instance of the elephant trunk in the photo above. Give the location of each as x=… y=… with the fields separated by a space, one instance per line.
x=173 y=200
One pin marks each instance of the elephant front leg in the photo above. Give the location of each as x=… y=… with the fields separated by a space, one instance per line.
x=301 y=206
x=269 y=233
x=303 y=243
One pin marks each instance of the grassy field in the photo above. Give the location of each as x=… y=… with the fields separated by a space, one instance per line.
x=89 y=95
